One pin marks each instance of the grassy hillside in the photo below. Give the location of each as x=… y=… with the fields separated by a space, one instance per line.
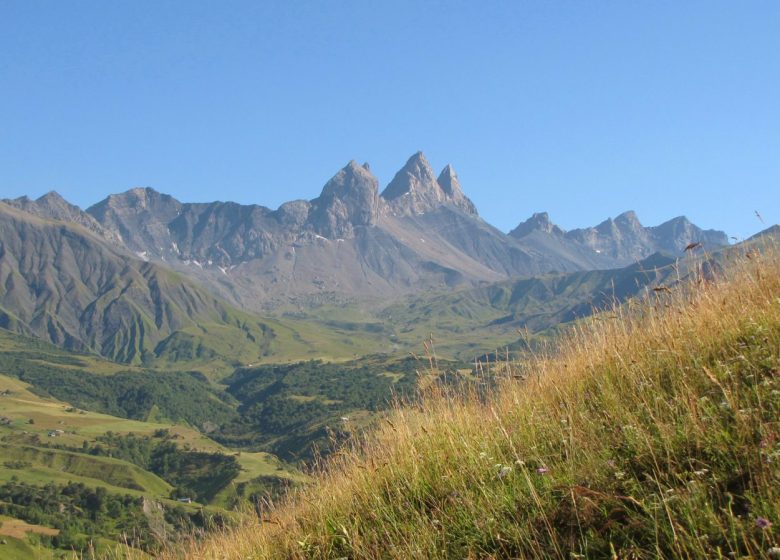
x=653 y=432
x=28 y=419
x=52 y=453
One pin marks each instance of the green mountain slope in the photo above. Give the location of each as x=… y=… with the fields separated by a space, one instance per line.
x=651 y=433
x=63 y=284
x=470 y=322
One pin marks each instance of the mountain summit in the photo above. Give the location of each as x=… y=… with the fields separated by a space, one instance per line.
x=449 y=183
x=349 y=199
x=416 y=190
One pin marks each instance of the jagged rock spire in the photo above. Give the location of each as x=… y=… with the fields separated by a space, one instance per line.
x=450 y=184
x=416 y=190
x=416 y=181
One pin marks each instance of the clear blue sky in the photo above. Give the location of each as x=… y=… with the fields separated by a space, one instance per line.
x=583 y=109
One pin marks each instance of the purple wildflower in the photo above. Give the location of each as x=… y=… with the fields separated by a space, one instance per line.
x=542 y=470
x=763 y=523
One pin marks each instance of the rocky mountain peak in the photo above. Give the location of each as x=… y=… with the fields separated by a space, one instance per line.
x=54 y=206
x=137 y=199
x=142 y=198
x=540 y=221
x=415 y=180
x=450 y=184
x=352 y=181
x=629 y=220
x=139 y=217
x=448 y=180
x=675 y=234
x=416 y=190
x=52 y=198
x=349 y=199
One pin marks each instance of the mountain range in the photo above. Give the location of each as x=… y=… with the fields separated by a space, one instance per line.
x=223 y=333
x=354 y=243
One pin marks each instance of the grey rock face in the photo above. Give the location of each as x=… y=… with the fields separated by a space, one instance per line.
x=416 y=190
x=293 y=214
x=140 y=217
x=349 y=199
x=449 y=183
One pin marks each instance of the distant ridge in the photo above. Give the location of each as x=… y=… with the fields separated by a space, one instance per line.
x=624 y=239
x=353 y=243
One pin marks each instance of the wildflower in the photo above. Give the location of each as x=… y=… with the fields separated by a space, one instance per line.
x=611 y=464
x=620 y=475
x=763 y=523
x=773 y=552
x=504 y=472
x=701 y=472
x=542 y=470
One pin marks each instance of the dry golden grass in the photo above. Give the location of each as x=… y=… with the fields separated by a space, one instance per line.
x=653 y=432
x=18 y=529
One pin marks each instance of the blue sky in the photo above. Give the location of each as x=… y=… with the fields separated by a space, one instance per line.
x=583 y=109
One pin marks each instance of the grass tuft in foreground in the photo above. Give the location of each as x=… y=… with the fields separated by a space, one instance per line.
x=652 y=433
